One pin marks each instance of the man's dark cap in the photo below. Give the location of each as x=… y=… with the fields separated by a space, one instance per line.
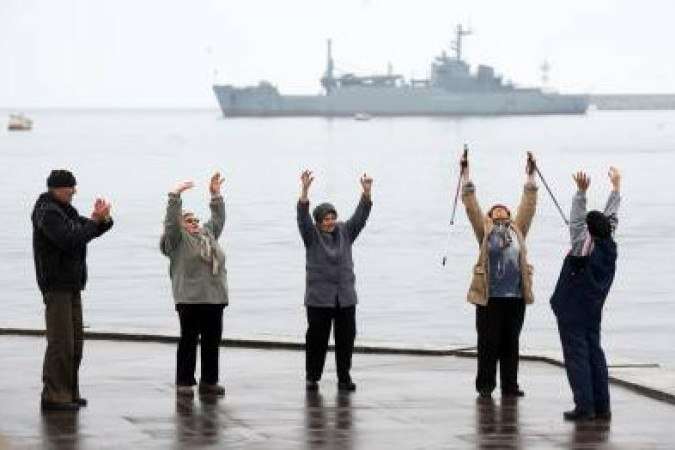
x=599 y=226
x=322 y=211
x=61 y=178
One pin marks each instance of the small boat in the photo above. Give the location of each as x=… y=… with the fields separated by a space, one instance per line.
x=362 y=116
x=19 y=122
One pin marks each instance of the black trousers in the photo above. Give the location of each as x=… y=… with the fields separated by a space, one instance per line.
x=319 y=322
x=498 y=325
x=204 y=323
x=65 y=338
x=586 y=367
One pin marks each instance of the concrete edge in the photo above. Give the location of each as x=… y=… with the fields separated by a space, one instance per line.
x=464 y=352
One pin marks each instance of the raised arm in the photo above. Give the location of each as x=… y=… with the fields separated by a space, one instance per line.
x=578 y=228
x=614 y=200
x=217 y=206
x=305 y=224
x=473 y=210
x=172 y=221
x=528 y=202
x=358 y=220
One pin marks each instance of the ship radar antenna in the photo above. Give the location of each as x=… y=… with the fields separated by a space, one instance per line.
x=545 y=71
x=457 y=43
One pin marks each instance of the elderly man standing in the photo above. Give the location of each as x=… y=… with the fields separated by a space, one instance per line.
x=585 y=279
x=60 y=238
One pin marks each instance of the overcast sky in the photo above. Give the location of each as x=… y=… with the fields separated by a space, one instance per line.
x=168 y=53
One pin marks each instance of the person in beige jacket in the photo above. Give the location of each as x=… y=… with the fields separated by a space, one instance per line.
x=501 y=282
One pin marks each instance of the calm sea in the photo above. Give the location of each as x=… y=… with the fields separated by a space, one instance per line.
x=135 y=157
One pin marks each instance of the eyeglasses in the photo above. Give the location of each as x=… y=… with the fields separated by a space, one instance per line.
x=192 y=220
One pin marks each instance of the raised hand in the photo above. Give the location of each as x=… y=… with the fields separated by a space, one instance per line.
x=582 y=180
x=306 y=179
x=615 y=178
x=464 y=161
x=101 y=210
x=531 y=164
x=366 y=184
x=215 y=183
x=183 y=186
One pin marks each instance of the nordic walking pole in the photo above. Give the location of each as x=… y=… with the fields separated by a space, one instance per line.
x=459 y=185
x=543 y=180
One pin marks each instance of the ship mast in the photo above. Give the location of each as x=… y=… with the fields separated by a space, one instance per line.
x=328 y=81
x=457 y=43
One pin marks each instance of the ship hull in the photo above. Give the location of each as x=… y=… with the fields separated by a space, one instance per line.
x=253 y=101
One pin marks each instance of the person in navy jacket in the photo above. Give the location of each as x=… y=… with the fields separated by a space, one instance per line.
x=583 y=285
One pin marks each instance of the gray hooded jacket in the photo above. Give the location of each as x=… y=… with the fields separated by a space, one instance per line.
x=197 y=263
x=330 y=279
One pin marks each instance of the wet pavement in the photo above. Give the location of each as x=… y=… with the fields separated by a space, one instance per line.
x=409 y=402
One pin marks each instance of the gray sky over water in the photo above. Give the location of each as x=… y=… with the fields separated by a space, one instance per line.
x=136 y=53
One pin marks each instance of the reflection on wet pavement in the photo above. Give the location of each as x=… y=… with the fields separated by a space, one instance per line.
x=402 y=402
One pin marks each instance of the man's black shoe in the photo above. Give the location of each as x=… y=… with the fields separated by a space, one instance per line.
x=211 y=389
x=604 y=415
x=484 y=393
x=346 y=386
x=82 y=402
x=59 y=406
x=312 y=386
x=513 y=393
x=578 y=416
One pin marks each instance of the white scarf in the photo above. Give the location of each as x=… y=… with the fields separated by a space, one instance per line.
x=208 y=253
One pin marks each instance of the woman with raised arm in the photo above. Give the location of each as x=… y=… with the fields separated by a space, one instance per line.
x=580 y=293
x=501 y=283
x=330 y=293
x=199 y=285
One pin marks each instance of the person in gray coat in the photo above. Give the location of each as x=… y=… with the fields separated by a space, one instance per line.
x=330 y=293
x=199 y=285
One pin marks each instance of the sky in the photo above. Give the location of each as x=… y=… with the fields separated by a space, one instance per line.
x=168 y=53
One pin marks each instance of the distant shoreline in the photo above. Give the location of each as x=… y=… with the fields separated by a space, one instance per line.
x=632 y=102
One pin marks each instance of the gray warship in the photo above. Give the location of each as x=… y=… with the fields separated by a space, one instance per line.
x=451 y=90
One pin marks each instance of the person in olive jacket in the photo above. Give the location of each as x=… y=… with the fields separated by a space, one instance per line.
x=330 y=293
x=60 y=238
x=501 y=283
x=199 y=286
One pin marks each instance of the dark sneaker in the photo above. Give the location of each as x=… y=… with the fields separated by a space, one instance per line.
x=513 y=393
x=346 y=386
x=578 y=416
x=82 y=402
x=59 y=406
x=211 y=389
x=604 y=415
x=311 y=385
x=184 y=391
x=484 y=393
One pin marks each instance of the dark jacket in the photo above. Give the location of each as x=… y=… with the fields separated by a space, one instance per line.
x=330 y=269
x=584 y=284
x=588 y=269
x=60 y=237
